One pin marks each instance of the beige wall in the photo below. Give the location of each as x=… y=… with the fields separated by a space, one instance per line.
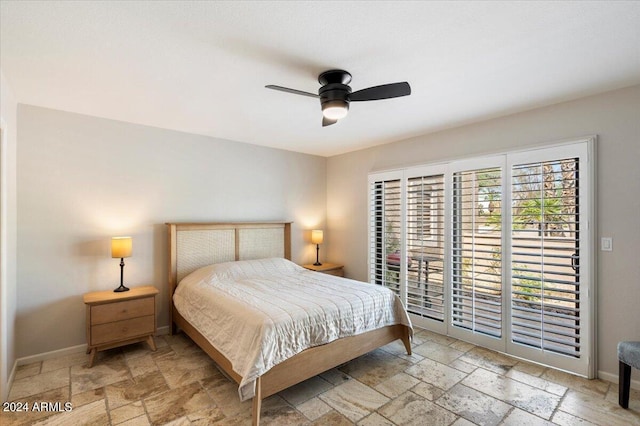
x=613 y=116
x=8 y=110
x=83 y=179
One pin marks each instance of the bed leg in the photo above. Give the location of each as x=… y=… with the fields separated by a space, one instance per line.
x=257 y=403
x=406 y=340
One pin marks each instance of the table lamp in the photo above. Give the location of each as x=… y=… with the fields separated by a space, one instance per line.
x=121 y=248
x=316 y=238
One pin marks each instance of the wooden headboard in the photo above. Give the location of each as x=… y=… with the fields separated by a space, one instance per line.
x=194 y=245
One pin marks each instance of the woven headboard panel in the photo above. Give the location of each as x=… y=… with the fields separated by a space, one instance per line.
x=194 y=245
x=260 y=243
x=202 y=247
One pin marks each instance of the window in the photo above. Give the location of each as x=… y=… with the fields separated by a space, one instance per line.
x=425 y=249
x=493 y=250
x=476 y=284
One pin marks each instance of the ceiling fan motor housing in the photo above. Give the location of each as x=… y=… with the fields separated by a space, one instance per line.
x=334 y=93
x=335 y=88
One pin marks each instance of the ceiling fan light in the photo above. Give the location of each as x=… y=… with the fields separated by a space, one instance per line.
x=335 y=110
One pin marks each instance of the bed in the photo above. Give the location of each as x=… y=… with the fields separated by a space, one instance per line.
x=194 y=247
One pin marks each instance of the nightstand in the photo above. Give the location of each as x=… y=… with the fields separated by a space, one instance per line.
x=327 y=268
x=117 y=319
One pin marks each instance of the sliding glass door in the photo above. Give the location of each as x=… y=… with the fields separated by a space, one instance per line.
x=550 y=307
x=496 y=250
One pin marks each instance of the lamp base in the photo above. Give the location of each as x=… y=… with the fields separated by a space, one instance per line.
x=121 y=289
x=317 y=256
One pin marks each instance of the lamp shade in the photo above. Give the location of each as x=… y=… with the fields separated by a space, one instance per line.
x=317 y=236
x=121 y=247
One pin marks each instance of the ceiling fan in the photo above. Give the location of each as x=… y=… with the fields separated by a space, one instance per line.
x=335 y=94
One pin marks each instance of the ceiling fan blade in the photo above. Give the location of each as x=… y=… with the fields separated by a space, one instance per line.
x=386 y=91
x=294 y=91
x=327 y=121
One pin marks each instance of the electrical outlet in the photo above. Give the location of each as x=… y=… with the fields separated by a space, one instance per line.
x=606 y=244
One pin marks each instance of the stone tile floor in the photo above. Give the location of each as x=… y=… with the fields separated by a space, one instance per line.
x=444 y=382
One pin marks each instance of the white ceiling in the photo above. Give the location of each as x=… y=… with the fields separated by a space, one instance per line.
x=201 y=67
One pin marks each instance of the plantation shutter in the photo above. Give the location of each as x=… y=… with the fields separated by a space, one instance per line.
x=545 y=260
x=476 y=281
x=494 y=250
x=425 y=246
x=385 y=232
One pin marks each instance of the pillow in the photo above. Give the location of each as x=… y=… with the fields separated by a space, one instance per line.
x=244 y=269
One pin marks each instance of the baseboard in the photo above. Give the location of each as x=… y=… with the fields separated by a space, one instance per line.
x=66 y=351
x=52 y=354
x=161 y=331
x=41 y=357
x=635 y=384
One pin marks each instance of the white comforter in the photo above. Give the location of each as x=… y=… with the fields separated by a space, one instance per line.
x=258 y=313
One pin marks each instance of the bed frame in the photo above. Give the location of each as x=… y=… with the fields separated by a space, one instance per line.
x=193 y=245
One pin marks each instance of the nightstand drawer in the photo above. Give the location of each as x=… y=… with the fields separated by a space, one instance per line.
x=110 y=312
x=327 y=268
x=121 y=330
x=336 y=272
